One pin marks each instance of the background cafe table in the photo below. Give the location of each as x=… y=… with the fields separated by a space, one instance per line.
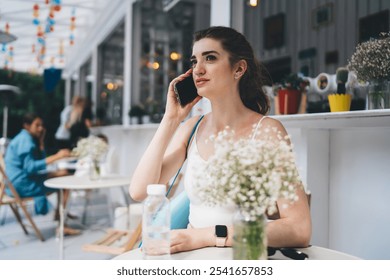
x=81 y=183
x=214 y=253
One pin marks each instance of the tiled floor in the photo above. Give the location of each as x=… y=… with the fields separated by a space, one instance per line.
x=15 y=245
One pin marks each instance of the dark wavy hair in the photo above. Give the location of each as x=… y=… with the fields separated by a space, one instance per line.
x=29 y=117
x=238 y=47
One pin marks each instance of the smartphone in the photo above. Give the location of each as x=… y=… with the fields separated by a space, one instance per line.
x=185 y=91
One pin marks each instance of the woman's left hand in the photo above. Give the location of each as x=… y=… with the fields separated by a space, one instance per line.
x=190 y=239
x=173 y=109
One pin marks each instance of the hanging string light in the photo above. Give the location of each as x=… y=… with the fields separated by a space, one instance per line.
x=36 y=14
x=6 y=29
x=61 y=51
x=56 y=4
x=52 y=59
x=41 y=56
x=4 y=45
x=72 y=26
x=40 y=35
x=51 y=12
x=11 y=53
x=9 y=58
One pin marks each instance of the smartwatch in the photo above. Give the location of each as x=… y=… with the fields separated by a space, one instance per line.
x=220 y=235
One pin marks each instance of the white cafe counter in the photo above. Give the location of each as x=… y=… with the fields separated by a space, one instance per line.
x=344 y=159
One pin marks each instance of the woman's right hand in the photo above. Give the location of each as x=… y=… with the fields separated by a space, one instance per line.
x=173 y=109
x=63 y=153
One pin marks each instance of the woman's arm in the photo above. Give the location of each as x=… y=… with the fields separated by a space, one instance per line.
x=63 y=153
x=150 y=167
x=166 y=152
x=293 y=228
x=196 y=238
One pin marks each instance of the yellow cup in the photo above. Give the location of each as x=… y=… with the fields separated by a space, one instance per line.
x=339 y=102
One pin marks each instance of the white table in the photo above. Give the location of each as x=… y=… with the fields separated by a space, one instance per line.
x=81 y=183
x=214 y=253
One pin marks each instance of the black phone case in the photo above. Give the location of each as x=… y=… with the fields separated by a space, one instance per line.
x=185 y=91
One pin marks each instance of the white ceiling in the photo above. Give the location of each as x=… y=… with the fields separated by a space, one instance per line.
x=19 y=15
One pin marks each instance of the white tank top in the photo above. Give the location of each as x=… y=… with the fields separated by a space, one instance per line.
x=201 y=214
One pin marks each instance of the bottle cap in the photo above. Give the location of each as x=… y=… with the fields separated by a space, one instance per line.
x=156 y=189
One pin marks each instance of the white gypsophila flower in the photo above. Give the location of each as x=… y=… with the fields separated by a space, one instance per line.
x=253 y=174
x=92 y=147
x=371 y=60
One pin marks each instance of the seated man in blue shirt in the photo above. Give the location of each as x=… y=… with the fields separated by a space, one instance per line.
x=26 y=162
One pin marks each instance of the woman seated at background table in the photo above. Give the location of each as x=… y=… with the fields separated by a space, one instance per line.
x=26 y=165
x=226 y=72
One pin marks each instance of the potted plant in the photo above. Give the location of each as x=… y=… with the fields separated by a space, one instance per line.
x=371 y=64
x=289 y=95
x=136 y=113
x=152 y=108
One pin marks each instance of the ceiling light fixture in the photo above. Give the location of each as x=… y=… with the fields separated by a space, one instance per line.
x=253 y=3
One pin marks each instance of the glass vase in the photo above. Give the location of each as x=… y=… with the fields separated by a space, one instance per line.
x=249 y=239
x=94 y=170
x=378 y=96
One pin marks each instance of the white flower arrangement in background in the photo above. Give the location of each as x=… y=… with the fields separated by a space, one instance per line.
x=371 y=60
x=92 y=146
x=253 y=174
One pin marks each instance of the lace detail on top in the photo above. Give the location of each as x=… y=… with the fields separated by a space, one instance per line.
x=201 y=214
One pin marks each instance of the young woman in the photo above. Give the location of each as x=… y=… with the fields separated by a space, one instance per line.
x=26 y=166
x=226 y=72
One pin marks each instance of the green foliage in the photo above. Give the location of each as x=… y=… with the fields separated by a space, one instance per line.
x=137 y=111
x=293 y=81
x=32 y=99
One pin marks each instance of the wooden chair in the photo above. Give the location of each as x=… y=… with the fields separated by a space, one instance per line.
x=117 y=241
x=15 y=201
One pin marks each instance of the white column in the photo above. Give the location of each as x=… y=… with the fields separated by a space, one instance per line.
x=237 y=20
x=128 y=62
x=220 y=12
x=94 y=79
x=68 y=88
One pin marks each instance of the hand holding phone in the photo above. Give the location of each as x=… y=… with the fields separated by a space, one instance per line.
x=185 y=91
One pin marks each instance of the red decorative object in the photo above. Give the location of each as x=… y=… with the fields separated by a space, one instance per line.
x=289 y=101
x=39 y=31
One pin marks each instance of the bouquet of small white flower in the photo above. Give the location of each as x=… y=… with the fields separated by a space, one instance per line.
x=93 y=147
x=371 y=60
x=253 y=174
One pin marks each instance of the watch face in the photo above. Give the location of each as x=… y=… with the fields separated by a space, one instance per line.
x=220 y=231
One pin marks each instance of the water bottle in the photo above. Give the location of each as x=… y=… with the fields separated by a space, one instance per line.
x=156 y=224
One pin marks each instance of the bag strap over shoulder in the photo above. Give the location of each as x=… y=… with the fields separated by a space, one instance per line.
x=188 y=144
x=181 y=218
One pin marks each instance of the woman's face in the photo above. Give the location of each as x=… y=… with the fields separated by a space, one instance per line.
x=212 y=72
x=36 y=128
